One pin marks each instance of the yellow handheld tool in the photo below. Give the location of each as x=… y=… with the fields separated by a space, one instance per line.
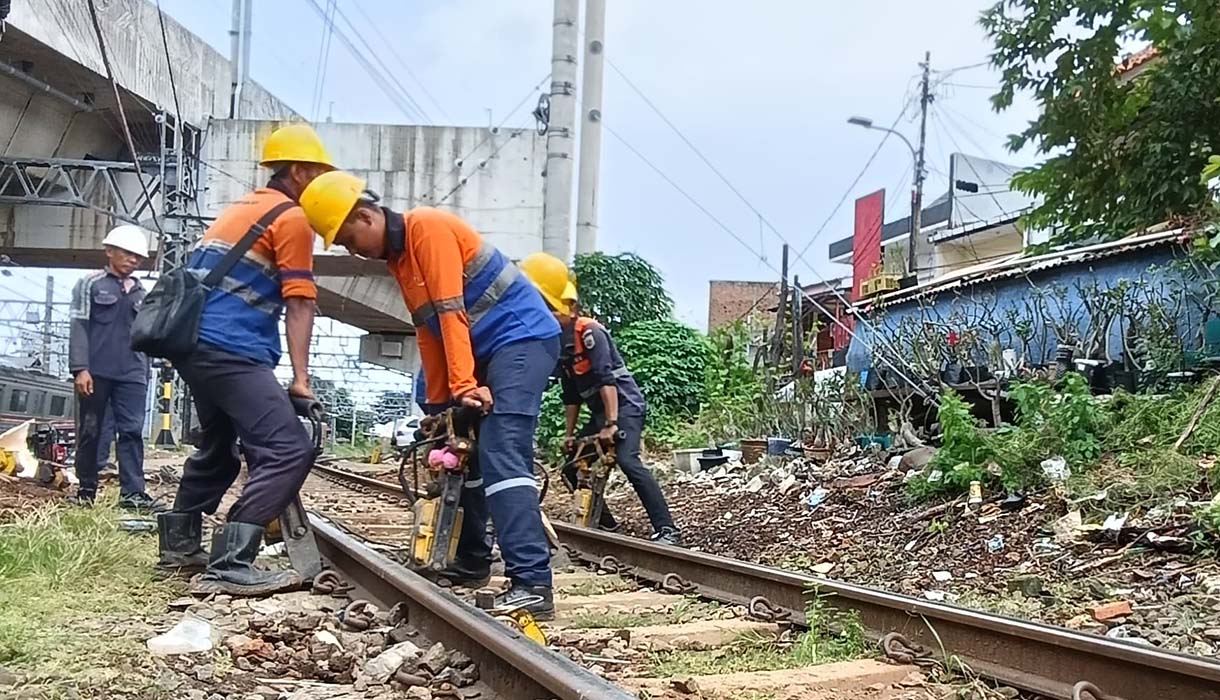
x=515 y=615
x=438 y=515
x=593 y=459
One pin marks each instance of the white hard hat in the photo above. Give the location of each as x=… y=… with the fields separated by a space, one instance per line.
x=128 y=237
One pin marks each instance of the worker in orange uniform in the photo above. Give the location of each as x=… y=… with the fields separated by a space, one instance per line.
x=231 y=374
x=487 y=341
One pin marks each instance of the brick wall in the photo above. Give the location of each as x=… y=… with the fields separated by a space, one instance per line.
x=729 y=301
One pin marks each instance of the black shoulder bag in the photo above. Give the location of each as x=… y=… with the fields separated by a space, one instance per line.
x=167 y=324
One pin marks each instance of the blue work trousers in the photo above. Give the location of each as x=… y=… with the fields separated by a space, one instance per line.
x=125 y=401
x=516 y=374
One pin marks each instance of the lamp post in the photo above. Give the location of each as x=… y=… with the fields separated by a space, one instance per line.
x=917 y=188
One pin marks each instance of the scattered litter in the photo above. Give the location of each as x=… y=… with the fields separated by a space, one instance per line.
x=1111 y=611
x=823 y=568
x=786 y=486
x=1066 y=527
x=976 y=493
x=755 y=485
x=1114 y=522
x=380 y=668
x=995 y=545
x=1014 y=502
x=942 y=576
x=815 y=498
x=935 y=476
x=1056 y=469
x=935 y=596
x=191 y=635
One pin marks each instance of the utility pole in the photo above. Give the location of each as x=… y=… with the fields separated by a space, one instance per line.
x=239 y=58
x=798 y=326
x=777 y=340
x=561 y=125
x=590 y=126
x=46 y=325
x=925 y=99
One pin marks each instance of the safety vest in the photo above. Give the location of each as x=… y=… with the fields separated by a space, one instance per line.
x=580 y=361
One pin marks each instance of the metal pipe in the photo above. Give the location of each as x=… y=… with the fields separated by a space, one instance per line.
x=14 y=72
x=590 y=126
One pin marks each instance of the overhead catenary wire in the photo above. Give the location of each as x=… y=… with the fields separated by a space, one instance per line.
x=402 y=62
x=725 y=227
x=131 y=145
x=319 y=75
x=800 y=255
x=386 y=83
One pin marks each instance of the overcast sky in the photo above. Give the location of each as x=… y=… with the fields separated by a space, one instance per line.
x=762 y=88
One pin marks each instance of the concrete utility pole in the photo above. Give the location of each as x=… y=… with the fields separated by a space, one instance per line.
x=590 y=126
x=239 y=58
x=46 y=325
x=561 y=124
x=925 y=99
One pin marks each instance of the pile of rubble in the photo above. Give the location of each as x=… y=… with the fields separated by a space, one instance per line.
x=850 y=518
x=300 y=646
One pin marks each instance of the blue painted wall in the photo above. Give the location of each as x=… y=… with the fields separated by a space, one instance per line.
x=1148 y=274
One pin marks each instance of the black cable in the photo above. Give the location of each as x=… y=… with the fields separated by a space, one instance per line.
x=169 y=65
x=131 y=144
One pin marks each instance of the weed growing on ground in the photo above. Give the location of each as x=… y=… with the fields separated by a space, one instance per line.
x=72 y=587
x=833 y=635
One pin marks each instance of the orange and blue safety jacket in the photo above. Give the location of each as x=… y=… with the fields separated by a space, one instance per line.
x=467 y=299
x=242 y=314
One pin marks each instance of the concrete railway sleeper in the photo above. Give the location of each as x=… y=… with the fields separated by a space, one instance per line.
x=1035 y=658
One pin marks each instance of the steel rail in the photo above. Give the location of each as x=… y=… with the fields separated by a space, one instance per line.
x=1031 y=656
x=1027 y=655
x=514 y=667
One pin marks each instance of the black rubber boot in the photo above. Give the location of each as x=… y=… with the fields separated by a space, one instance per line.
x=180 y=536
x=232 y=571
x=541 y=602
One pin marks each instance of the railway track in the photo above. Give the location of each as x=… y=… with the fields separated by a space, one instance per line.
x=1035 y=658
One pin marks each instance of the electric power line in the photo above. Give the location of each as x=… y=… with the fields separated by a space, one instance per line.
x=118 y=98
x=319 y=76
x=405 y=66
x=801 y=254
x=384 y=78
x=706 y=212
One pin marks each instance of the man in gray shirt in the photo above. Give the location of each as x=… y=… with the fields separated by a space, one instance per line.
x=108 y=372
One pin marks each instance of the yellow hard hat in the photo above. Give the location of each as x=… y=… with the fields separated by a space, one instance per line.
x=550 y=275
x=295 y=143
x=328 y=200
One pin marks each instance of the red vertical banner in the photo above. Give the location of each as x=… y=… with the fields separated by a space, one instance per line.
x=866 y=239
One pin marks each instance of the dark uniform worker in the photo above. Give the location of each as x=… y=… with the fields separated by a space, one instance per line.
x=487 y=341
x=109 y=374
x=231 y=374
x=593 y=373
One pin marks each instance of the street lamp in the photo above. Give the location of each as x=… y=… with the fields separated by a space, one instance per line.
x=917 y=190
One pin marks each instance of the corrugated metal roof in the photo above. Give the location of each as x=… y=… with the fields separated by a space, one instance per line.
x=1019 y=265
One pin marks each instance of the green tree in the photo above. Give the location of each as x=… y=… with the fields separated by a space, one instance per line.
x=668 y=360
x=622 y=289
x=1124 y=151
